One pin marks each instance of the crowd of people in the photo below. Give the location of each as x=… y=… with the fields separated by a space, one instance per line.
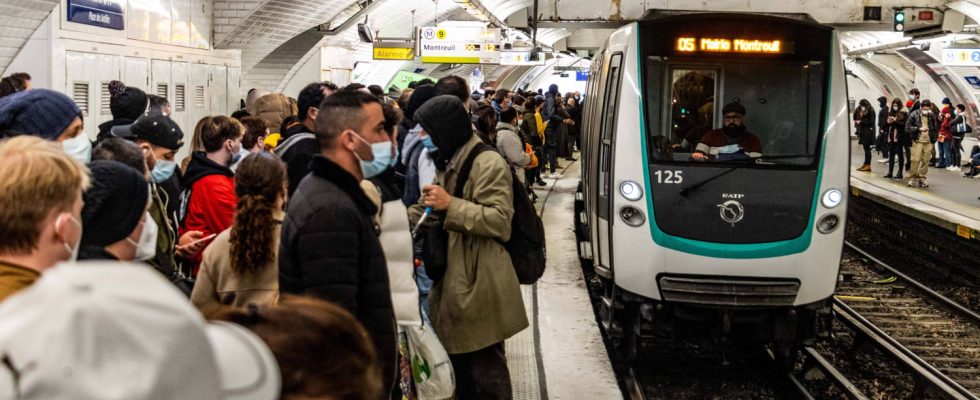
x=916 y=133
x=285 y=257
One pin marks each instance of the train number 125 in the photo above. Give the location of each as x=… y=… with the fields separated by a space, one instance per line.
x=668 y=176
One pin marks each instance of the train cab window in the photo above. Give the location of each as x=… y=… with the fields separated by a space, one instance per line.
x=782 y=103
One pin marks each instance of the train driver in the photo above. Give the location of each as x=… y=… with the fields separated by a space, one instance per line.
x=730 y=143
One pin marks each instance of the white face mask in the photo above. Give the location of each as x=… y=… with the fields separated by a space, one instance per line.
x=73 y=251
x=79 y=148
x=146 y=249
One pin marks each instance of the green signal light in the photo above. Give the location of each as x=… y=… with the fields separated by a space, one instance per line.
x=900 y=17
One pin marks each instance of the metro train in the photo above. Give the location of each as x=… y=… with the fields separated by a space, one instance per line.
x=691 y=237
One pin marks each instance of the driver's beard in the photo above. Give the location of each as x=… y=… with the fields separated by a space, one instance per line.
x=734 y=131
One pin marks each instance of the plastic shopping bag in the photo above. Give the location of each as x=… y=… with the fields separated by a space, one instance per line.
x=431 y=369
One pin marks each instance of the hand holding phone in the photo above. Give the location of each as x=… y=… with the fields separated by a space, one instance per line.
x=192 y=242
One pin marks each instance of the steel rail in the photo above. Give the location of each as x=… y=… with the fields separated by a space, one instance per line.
x=944 y=301
x=927 y=373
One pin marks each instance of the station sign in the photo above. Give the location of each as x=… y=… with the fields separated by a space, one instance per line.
x=961 y=57
x=100 y=13
x=394 y=51
x=520 y=58
x=459 y=45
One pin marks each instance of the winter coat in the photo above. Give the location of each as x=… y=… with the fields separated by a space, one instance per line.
x=14 y=278
x=478 y=302
x=552 y=131
x=330 y=250
x=510 y=145
x=958 y=119
x=298 y=155
x=218 y=284
x=865 y=121
x=529 y=128
x=208 y=202
x=896 y=130
x=396 y=241
x=164 y=260
x=914 y=122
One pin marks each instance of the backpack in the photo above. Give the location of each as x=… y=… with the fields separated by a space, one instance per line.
x=526 y=246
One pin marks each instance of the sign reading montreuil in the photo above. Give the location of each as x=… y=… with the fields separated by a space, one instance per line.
x=460 y=45
x=964 y=57
x=100 y=13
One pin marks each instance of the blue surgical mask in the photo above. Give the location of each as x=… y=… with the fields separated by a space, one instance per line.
x=382 y=158
x=238 y=156
x=79 y=148
x=163 y=170
x=427 y=143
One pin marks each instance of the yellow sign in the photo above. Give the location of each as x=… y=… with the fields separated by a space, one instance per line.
x=719 y=45
x=441 y=34
x=393 y=53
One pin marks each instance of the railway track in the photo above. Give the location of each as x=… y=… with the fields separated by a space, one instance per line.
x=928 y=335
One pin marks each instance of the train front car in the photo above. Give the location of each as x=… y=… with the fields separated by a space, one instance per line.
x=720 y=189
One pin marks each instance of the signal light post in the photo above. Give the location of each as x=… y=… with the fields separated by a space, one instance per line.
x=899 y=21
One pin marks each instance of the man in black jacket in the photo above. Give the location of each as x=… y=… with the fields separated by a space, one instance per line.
x=330 y=248
x=299 y=144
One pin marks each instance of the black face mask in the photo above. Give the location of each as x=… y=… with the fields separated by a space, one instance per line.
x=734 y=131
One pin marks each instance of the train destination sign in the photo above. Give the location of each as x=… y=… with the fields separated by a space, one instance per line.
x=459 y=45
x=738 y=45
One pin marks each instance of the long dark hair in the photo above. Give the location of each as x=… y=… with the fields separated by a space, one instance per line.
x=259 y=182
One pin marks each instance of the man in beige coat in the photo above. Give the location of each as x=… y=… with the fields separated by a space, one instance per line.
x=477 y=304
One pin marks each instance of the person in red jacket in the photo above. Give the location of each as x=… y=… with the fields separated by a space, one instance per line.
x=208 y=201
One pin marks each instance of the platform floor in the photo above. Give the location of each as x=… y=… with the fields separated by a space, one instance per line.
x=561 y=355
x=949 y=200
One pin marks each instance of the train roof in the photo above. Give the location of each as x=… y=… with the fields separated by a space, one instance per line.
x=656 y=14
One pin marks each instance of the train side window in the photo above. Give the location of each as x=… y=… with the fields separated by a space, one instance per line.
x=692 y=109
x=609 y=122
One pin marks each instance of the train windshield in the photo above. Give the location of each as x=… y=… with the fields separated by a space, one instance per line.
x=735 y=111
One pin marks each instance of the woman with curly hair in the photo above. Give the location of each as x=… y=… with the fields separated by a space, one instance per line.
x=240 y=267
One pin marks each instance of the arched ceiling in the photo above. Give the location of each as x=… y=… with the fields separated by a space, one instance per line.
x=18 y=21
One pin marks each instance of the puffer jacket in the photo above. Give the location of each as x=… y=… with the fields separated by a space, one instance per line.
x=478 y=301
x=330 y=250
x=208 y=202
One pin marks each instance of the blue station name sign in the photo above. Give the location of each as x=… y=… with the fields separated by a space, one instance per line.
x=100 y=13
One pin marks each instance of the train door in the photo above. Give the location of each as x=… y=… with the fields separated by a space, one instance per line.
x=179 y=106
x=218 y=90
x=136 y=73
x=234 y=88
x=161 y=78
x=607 y=135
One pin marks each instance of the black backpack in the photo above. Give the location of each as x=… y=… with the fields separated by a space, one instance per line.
x=526 y=245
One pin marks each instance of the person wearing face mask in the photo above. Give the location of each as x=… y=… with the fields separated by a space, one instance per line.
x=913 y=102
x=864 y=121
x=329 y=247
x=208 y=202
x=46 y=114
x=730 y=143
x=922 y=127
x=896 y=138
x=119 y=226
x=41 y=198
x=241 y=266
x=417 y=144
x=160 y=138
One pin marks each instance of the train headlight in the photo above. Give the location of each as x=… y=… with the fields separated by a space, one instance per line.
x=631 y=190
x=828 y=223
x=832 y=198
x=632 y=216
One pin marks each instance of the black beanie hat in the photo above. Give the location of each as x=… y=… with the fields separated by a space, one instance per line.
x=446 y=120
x=421 y=95
x=126 y=102
x=114 y=204
x=733 y=107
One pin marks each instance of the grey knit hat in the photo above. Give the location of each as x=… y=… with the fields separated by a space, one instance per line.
x=38 y=112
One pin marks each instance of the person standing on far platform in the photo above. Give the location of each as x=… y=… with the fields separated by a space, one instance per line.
x=923 y=128
x=864 y=124
x=896 y=138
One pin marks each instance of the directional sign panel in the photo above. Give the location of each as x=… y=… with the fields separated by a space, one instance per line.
x=459 y=45
x=101 y=13
x=520 y=58
x=961 y=57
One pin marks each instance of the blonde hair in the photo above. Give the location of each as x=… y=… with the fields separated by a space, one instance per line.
x=36 y=178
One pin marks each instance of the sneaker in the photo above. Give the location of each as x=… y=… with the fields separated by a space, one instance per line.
x=952 y=168
x=883 y=161
x=899 y=177
x=913 y=183
x=889 y=176
x=541 y=182
x=923 y=184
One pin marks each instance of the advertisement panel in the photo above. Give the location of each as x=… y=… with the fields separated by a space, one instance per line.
x=459 y=45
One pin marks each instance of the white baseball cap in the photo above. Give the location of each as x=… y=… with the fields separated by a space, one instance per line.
x=109 y=330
